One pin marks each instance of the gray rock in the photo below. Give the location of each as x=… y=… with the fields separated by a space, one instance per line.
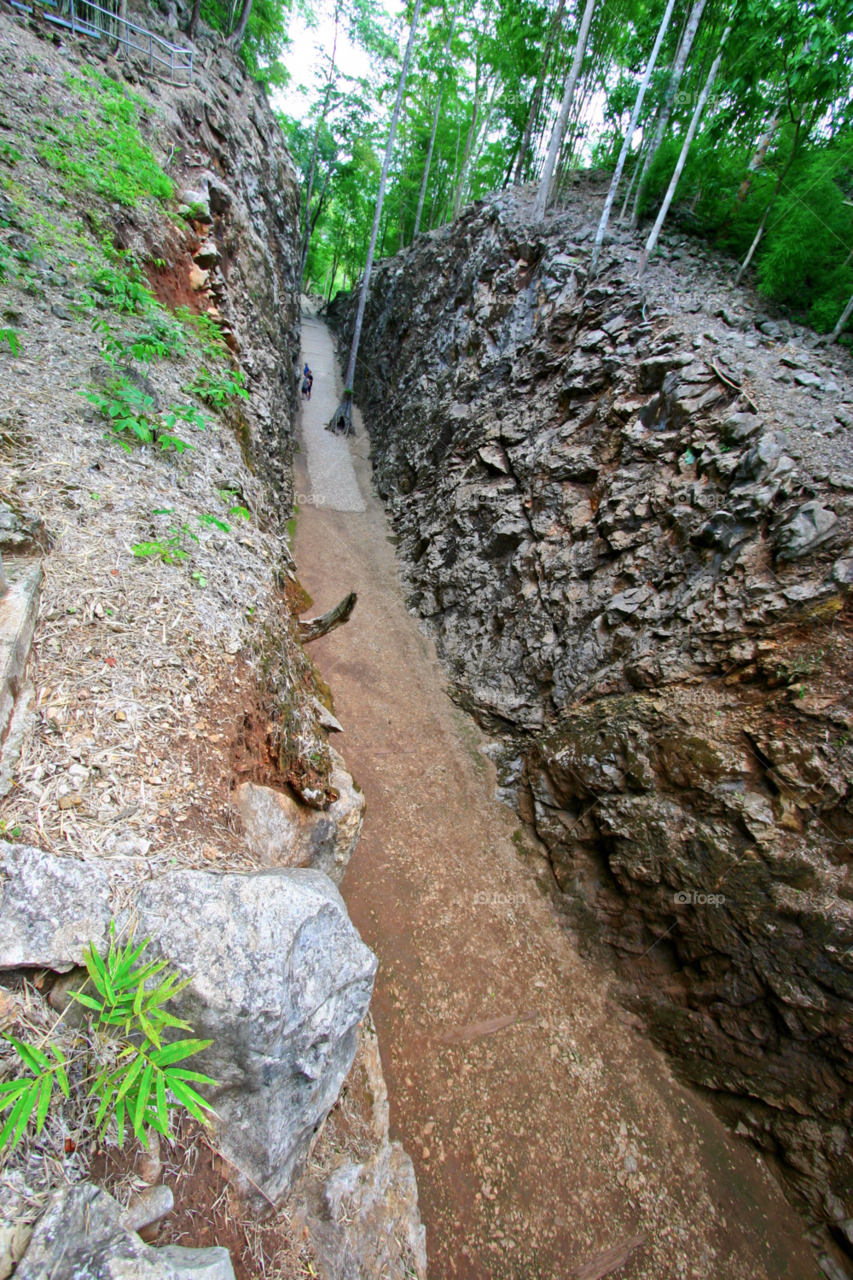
x=180 y=1263
x=807 y=530
x=363 y=1219
x=50 y=908
x=81 y=1236
x=147 y=1207
x=279 y=980
x=739 y=427
x=284 y=833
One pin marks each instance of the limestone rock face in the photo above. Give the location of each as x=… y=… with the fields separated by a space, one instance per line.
x=285 y=833
x=279 y=982
x=639 y=580
x=81 y=1234
x=362 y=1218
x=50 y=908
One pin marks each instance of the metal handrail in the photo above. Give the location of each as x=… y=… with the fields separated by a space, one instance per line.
x=179 y=60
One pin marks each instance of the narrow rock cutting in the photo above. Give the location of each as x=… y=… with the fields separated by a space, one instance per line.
x=623 y=512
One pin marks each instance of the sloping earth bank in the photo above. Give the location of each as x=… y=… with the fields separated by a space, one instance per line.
x=166 y=660
x=544 y=1131
x=624 y=514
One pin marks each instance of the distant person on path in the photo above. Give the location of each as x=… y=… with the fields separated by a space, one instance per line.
x=307 y=383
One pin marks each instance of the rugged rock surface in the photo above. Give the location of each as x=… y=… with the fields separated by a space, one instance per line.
x=362 y=1217
x=625 y=517
x=81 y=1233
x=51 y=909
x=238 y=259
x=287 y=834
x=279 y=982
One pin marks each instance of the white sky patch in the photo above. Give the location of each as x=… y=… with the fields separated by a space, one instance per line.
x=307 y=55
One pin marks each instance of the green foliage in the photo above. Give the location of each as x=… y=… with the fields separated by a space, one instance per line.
x=195 y=211
x=805 y=261
x=130 y=411
x=214 y=522
x=170 y=547
x=137 y=1078
x=10 y=155
x=205 y=330
x=99 y=146
x=123 y=289
x=266 y=35
x=10 y=336
x=217 y=388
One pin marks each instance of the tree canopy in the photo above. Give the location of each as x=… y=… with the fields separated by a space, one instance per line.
x=767 y=176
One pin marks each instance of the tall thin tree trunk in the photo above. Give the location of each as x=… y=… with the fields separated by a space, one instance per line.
x=485 y=120
x=306 y=235
x=236 y=40
x=435 y=117
x=682 y=159
x=469 y=142
x=541 y=202
x=678 y=66
x=564 y=164
x=763 y=223
x=757 y=160
x=332 y=280
x=343 y=413
x=844 y=317
x=536 y=100
x=634 y=176
x=626 y=143
x=196 y=13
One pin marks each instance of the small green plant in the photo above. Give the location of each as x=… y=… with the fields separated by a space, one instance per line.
x=137 y=1078
x=168 y=549
x=10 y=829
x=216 y=388
x=9 y=154
x=130 y=410
x=214 y=522
x=10 y=336
x=123 y=290
x=205 y=330
x=240 y=513
x=196 y=211
x=199 y=578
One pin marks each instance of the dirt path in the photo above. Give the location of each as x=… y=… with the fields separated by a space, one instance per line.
x=544 y=1131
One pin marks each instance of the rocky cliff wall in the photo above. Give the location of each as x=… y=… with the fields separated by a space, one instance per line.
x=235 y=254
x=624 y=513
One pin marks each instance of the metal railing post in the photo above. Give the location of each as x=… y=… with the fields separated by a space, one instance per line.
x=150 y=52
x=71 y=12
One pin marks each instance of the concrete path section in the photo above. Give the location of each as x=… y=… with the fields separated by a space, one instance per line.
x=550 y=1139
x=330 y=470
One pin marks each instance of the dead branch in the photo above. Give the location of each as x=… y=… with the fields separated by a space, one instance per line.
x=316 y=627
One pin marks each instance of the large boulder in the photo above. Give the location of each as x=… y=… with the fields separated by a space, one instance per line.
x=81 y=1234
x=50 y=908
x=283 y=832
x=279 y=981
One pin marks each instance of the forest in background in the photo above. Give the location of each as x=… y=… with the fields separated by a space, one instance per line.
x=767 y=178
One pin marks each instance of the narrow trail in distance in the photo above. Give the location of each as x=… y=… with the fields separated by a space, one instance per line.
x=543 y=1130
